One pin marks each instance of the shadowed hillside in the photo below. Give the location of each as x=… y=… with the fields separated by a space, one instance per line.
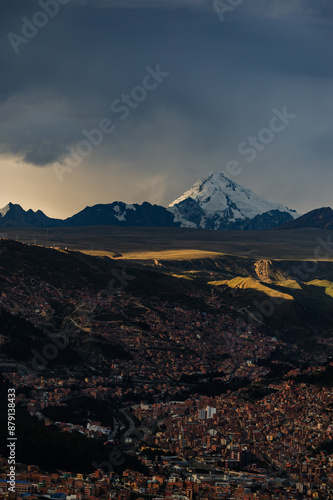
x=48 y=291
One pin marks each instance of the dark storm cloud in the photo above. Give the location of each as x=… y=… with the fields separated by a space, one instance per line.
x=225 y=79
x=146 y=4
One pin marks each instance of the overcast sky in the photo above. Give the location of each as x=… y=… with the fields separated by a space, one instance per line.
x=223 y=74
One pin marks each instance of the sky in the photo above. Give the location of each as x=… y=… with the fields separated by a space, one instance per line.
x=135 y=100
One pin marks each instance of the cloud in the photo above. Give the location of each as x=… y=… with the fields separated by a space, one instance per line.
x=146 y=4
x=225 y=79
x=264 y=8
x=276 y=9
x=35 y=128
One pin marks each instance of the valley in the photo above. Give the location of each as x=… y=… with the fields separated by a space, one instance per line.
x=104 y=329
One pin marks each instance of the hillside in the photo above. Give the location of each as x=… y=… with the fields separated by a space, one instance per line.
x=97 y=306
x=321 y=218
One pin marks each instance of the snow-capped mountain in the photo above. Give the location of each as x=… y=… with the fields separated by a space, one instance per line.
x=216 y=202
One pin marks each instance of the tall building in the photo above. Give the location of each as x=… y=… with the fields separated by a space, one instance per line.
x=211 y=411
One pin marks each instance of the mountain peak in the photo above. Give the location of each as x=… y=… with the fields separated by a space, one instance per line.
x=7 y=208
x=13 y=215
x=216 y=202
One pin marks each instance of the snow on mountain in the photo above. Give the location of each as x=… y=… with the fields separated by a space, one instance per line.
x=13 y=215
x=122 y=214
x=4 y=210
x=119 y=213
x=216 y=202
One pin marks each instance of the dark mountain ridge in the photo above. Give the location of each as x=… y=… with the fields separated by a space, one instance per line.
x=320 y=218
x=115 y=214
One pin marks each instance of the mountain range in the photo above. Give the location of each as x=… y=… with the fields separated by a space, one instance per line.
x=115 y=214
x=214 y=202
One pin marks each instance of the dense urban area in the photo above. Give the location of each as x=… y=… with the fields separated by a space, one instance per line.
x=180 y=399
